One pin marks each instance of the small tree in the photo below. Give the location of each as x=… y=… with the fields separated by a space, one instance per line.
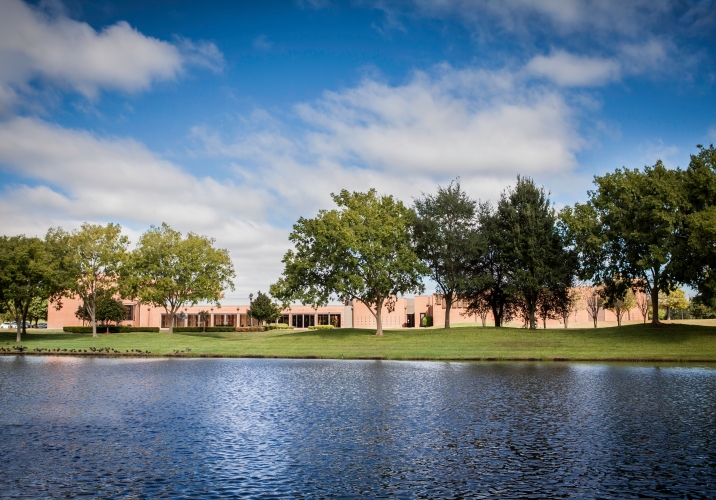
x=480 y=306
x=618 y=297
x=110 y=310
x=263 y=309
x=361 y=251
x=170 y=271
x=642 y=303
x=204 y=319
x=675 y=300
x=594 y=303
x=37 y=310
x=571 y=304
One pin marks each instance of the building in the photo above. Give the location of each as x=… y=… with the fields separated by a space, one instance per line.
x=406 y=313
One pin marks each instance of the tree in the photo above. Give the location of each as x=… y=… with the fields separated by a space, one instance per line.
x=630 y=228
x=263 y=308
x=696 y=245
x=618 y=298
x=594 y=303
x=642 y=303
x=479 y=305
x=572 y=303
x=443 y=232
x=204 y=319
x=360 y=251
x=169 y=271
x=28 y=272
x=540 y=265
x=37 y=310
x=489 y=277
x=92 y=258
x=675 y=300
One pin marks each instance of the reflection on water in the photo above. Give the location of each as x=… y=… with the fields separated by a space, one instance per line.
x=313 y=428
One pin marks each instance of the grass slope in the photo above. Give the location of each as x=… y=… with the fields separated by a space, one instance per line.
x=676 y=342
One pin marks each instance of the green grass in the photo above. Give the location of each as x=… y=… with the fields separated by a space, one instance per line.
x=674 y=342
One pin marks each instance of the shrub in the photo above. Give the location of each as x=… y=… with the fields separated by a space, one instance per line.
x=249 y=329
x=277 y=326
x=192 y=329
x=426 y=321
x=321 y=327
x=112 y=329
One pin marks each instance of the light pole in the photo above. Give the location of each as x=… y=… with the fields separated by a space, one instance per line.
x=251 y=305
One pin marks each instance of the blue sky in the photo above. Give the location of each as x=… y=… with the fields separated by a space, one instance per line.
x=232 y=119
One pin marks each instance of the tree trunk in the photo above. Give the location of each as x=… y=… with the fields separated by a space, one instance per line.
x=533 y=319
x=18 y=319
x=566 y=320
x=497 y=317
x=448 y=306
x=655 y=305
x=378 y=318
x=171 y=322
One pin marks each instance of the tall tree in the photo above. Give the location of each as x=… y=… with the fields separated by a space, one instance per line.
x=489 y=277
x=170 y=271
x=696 y=255
x=92 y=258
x=630 y=228
x=443 y=232
x=360 y=251
x=539 y=262
x=28 y=272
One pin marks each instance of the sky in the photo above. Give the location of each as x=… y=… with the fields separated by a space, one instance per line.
x=233 y=119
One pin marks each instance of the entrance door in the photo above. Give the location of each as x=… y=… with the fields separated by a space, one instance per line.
x=411 y=321
x=298 y=321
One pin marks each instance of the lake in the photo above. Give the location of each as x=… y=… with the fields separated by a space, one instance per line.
x=273 y=428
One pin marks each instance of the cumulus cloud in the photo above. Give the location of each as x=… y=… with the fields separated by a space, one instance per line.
x=569 y=70
x=49 y=46
x=77 y=176
x=484 y=126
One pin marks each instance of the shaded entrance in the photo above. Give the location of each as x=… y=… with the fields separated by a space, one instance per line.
x=303 y=320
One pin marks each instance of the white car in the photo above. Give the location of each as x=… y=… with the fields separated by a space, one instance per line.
x=7 y=325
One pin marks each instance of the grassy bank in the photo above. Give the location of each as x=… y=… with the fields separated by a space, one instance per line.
x=676 y=342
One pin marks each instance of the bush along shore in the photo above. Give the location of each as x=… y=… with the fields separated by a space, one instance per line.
x=671 y=343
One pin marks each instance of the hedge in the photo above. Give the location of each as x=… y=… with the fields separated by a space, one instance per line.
x=249 y=329
x=278 y=326
x=112 y=329
x=321 y=327
x=188 y=329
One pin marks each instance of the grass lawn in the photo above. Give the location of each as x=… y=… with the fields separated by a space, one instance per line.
x=636 y=342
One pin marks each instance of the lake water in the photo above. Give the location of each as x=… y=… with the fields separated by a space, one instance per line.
x=215 y=428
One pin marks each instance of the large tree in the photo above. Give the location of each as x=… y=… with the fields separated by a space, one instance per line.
x=541 y=266
x=360 y=251
x=630 y=228
x=28 y=272
x=444 y=234
x=92 y=259
x=489 y=277
x=171 y=271
x=696 y=254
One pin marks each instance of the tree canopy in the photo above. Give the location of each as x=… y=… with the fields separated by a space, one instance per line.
x=362 y=251
x=170 y=271
x=263 y=308
x=444 y=235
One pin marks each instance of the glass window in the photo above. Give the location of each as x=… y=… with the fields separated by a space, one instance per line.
x=128 y=312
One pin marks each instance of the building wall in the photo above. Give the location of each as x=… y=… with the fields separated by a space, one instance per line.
x=353 y=315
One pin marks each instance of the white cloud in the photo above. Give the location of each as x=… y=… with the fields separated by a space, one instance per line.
x=568 y=70
x=261 y=43
x=35 y=44
x=82 y=177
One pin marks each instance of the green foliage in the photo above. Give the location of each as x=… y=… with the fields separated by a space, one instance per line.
x=277 y=326
x=92 y=260
x=700 y=310
x=629 y=228
x=263 y=309
x=29 y=272
x=675 y=301
x=426 y=321
x=696 y=260
x=540 y=268
x=321 y=327
x=444 y=233
x=360 y=251
x=37 y=310
x=170 y=271
x=111 y=329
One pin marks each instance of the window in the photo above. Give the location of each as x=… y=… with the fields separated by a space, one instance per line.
x=283 y=319
x=323 y=319
x=128 y=312
x=224 y=319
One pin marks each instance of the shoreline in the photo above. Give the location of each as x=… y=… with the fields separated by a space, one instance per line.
x=368 y=358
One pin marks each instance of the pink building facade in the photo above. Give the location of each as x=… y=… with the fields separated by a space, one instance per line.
x=405 y=313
